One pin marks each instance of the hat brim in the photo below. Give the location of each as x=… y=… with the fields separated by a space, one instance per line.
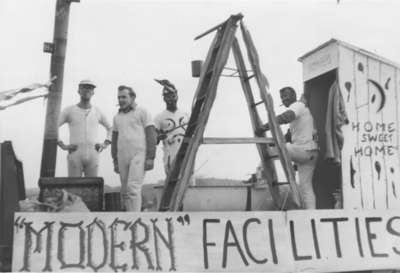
x=87 y=84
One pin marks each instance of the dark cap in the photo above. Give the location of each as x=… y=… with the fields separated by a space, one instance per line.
x=169 y=88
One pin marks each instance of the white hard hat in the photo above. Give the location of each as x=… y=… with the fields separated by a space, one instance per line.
x=87 y=82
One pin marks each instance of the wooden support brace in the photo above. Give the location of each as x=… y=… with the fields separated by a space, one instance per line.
x=237 y=140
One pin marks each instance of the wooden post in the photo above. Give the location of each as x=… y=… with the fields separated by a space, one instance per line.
x=49 y=153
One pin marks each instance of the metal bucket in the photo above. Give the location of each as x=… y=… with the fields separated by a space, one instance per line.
x=196 y=68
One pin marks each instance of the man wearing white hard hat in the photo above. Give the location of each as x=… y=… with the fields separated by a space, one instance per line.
x=83 y=120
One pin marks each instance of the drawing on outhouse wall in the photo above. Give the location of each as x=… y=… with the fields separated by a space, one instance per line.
x=370 y=158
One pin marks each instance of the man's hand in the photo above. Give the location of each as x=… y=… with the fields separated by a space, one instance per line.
x=100 y=146
x=70 y=148
x=161 y=136
x=288 y=136
x=260 y=130
x=148 y=164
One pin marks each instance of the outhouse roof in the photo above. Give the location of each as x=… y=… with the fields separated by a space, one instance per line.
x=352 y=47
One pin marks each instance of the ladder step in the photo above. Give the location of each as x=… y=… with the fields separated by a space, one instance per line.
x=276 y=183
x=209 y=72
x=172 y=181
x=249 y=77
x=257 y=103
x=237 y=140
x=201 y=98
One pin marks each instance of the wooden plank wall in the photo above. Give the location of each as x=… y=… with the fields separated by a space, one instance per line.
x=370 y=156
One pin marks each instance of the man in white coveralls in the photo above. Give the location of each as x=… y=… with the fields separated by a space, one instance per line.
x=83 y=120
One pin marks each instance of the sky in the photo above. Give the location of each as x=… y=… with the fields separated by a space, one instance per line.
x=115 y=42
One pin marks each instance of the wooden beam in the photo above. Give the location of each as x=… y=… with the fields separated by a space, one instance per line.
x=237 y=17
x=237 y=140
x=49 y=152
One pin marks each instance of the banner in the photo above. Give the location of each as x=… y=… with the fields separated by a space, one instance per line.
x=295 y=241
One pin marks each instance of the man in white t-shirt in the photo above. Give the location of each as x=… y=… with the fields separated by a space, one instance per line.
x=171 y=124
x=133 y=147
x=83 y=120
x=304 y=149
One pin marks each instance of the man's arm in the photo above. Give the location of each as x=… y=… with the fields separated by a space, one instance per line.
x=64 y=119
x=284 y=118
x=151 y=142
x=160 y=133
x=104 y=122
x=114 y=150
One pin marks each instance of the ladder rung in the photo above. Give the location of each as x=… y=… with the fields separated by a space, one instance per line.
x=237 y=140
x=249 y=77
x=200 y=98
x=173 y=180
x=257 y=103
x=209 y=71
x=276 y=183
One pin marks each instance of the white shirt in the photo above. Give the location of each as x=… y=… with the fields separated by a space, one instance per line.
x=302 y=128
x=84 y=123
x=131 y=130
x=175 y=124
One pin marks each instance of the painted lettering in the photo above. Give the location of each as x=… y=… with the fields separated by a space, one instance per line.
x=335 y=222
x=114 y=245
x=99 y=226
x=246 y=243
x=372 y=236
x=391 y=230
x=230 y=230
x=81 y=246
x=169 y=243
x=206 y=243
x=296 y=256
x=48 y=226
x=141 y=245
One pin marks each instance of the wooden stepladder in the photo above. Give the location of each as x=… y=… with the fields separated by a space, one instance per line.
x=178 y=179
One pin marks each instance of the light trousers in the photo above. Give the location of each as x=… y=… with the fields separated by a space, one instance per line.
x=305 y=161
x=131 y=171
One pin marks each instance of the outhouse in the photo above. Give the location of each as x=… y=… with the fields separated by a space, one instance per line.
x=368 y=173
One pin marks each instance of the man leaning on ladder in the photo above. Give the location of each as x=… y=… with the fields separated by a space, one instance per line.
x=303 y=150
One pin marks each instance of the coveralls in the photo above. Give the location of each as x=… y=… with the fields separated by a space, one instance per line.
x=83 y=132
